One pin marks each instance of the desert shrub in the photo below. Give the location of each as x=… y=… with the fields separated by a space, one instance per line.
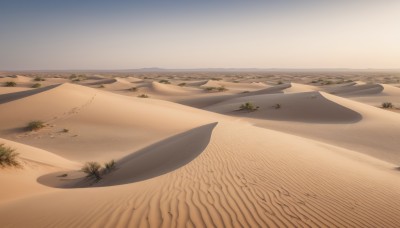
x=35 y=125
x=143 y=96
x=109 y=166
x=8 y=157
x=248 y=107
x=133 y=89
x=182 y=84
x=101 y=86
x=39 y=79
x=215 y=89
x=92 y=169
x=10 y=84
x=279 y=83
x=387 y=105
x=164 y=81
x=36 y=85
x=65 y=130
x=277 y=106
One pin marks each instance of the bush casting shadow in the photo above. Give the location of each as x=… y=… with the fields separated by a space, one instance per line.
x=157 y=159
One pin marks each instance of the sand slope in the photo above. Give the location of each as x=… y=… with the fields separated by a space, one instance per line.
x=246 y=176
x=318 y=161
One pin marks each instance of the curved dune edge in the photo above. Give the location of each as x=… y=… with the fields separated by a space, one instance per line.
x=356 y=90
x=248 y=177
x=4 y=98
x=155 y=160
x=310 y=107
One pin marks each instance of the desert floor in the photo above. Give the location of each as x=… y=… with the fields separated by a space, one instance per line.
x=310 y=149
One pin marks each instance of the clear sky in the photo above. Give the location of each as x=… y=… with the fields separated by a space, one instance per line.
x=96 y=34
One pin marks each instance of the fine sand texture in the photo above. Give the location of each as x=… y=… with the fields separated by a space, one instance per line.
x=308 y=153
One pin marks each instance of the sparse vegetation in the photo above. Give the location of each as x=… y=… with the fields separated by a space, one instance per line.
x=10 y=84
x=164 y=81
x=65 y=130
x=39 y=79
x=109 y=166
x=277 y=106
x=8 y=157
x=143 y=96
x=248 y=107
x=182 y=84
x=387 y=105
x=101 y=86
x=36 y=85
x=215 y=89
x=279 y=83
x=133 y=89
x=92 y=169
x=35 y=125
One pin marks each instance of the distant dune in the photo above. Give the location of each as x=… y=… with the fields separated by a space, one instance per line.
x=304 y=155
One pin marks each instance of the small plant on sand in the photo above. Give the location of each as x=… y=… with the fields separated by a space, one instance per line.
x=35 y=125
x=277 y=106
x=279 y=83
x=92 y=169
x=143 y=96
x=65 y=130
x=38 y=79
x=36 y=85
x=182 y=84
x=109 y=166
x=215 y=89
x=133 y=89
x=248 y=107
x=8 y=157
x=387 y=105
x=102 y=86
x=10 y=84
x=164 y=81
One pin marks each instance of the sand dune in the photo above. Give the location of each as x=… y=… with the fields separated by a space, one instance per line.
x=21 y=182
x=93 y=118
x=302 y=107
x=317 y=160
x=356 y=90
x=230 y=184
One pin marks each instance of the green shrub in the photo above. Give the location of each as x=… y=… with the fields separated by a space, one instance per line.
x=8 y=157
x=215 y=89
x=248 y=107
x=39 y=79
x=10 y=84
x=109 y=166
x=143 y=96
x=35 y=125
x=164 y=81
x=36 y=85
x=92 y=169
x=387 y=105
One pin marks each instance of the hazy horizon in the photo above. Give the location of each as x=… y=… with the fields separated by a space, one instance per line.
x=305 y=34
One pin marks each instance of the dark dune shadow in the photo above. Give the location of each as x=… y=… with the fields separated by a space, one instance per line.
x=155 y=160
x=99 y=82
x=19 y=95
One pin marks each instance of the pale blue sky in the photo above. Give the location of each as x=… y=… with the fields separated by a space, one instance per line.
x=73 y=34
